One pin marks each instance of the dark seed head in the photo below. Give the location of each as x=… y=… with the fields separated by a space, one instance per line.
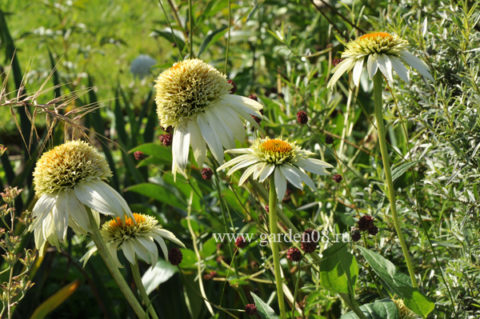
x=328 y=139
x=373 y=230
x=207 y=173
x=240 y=242
x=166 y=139
x=302 y=117
x=365 y=222
x=253 y=96
x=234 y=87
x=337 y=178
x=310 y=239
x=251 y=309
x=139 y=155
x=294 y=254
x=175 y=256
x=356 y=235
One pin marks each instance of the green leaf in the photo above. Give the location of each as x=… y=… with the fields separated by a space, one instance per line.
x=157 y=192
x=171 y=37
x=263 y=309
x=338 y=269
x=158 y=274
x=398 y=283
x=158 y=151
x=54 y=301
x=380 y=309
x=399 y=170
x=211 y=38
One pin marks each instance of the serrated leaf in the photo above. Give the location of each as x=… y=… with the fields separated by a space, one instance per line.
x=338 y=269
x=398 y=283
x=264 y=309
x=380 y=309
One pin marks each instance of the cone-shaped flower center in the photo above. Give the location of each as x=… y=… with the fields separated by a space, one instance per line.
x=67 y=165
x=275 y=151
x=119 y=229
x=374 y=43
x=186 y=89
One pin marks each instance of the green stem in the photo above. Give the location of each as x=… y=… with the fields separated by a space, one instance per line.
x=377 y=95
x=141 y=289
x=190 y=29
x=112 y=267
x=272 y=214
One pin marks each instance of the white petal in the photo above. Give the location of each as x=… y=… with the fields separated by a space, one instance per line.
x=211 y=138
x=280 y=184
x=181 y=146
x=249 y=171
x=344 y=66
x=102 y=198
x=372 y=65
x=78 y=213
x=60 y=215
x=163 y=246
x=151 y=249
x=245 y=102
x=357 y=71
x=416 y=63
x=242 y=165
x=198 y=144
x=291 y=176
x=141 y=251
x=236 y=160
x=43 y=205
x=399 y=68
x=239 y=151
x=169 y=235
x=386 y=67
x=226 y=138
x=234 y=122
x=128 y=251
x=259 y=169
x=267 y=171
x=306 y=178
x=312 y=166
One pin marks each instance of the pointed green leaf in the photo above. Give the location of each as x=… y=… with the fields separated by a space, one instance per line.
x=263 y=309
x=338 y=269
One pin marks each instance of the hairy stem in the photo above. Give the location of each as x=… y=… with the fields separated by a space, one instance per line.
x=141 y=289
x=377 y=95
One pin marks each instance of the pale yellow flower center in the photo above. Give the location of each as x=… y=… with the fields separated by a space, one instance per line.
x=276 y=146
x=120 y=229
x=374 y=43
x=275 y=151
x=67 y=165
x=376 y=35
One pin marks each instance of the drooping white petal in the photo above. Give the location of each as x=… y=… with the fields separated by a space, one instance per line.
x=306 y=178
x=78 y=212
x=181 y=145
x=385 y=67
x=128 y=251
x=236 y=160
x=311 y=165
x=151 y=248
x=291 y=176
x=211 y=138
x=344 y=66
x=60 y=214
x=245 y=102
x=372 y=65
x=242 y=165
x=280 y=184
x=239 y=151
x=267 y=171
x=141 y=251
x=101 y=197
x=169 y=235
x=198 y=144
x=399 y=68
x=162 y=244
x=234 y=122
x=225 y=137
x=416 y=63
x=43 y=205
x=249 y=171
x=357 y=71
x=258 y=170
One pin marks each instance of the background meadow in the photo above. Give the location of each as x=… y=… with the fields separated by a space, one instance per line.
x=66 y=72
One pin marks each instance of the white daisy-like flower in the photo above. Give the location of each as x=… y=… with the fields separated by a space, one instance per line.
x=67 y=178
x=136 y=237
x=285 y=160
x=381 y=51
x=194 y=98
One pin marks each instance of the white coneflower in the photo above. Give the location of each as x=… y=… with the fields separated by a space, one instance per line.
x=66 y=179
x=194 y=98
x=380 y=50
x=136 y=237
x=274 y=156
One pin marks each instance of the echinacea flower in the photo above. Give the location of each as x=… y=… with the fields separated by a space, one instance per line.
x=379 y=50
x=67 y=178
x=285 y=160
x=194 y=98
x=136 y=237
